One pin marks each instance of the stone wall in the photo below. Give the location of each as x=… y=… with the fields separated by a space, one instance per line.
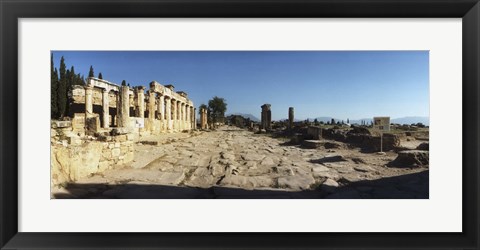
x=372 y=142
x=116 y=150
x=314 y=132
x=74 y=157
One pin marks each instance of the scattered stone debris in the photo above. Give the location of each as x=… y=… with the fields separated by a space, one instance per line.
x=411 y=158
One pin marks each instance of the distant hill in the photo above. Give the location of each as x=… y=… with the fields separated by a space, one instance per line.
x=250 y=116
x=412 y=119
x=402 y=120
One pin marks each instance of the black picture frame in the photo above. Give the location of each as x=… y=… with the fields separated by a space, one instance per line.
x=11 y=11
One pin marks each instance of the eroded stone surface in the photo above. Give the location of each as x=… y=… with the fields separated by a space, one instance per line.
x=234 y=163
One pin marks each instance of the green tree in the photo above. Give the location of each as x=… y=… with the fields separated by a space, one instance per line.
x=124 y=83
x=217 y=107
x=78 y=80
x=62 y=90
x=91 y=73
x=72 y=79
x=100 y=76
x=82 y=80
x=316 y=122
x=53 y=88
x=348 y=121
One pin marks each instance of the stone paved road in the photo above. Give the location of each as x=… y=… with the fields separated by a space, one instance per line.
x=235 y=163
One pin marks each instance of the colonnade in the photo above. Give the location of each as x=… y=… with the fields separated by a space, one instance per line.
x=173 y=110
x=168 y=111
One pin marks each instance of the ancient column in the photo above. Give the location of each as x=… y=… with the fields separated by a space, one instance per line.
x=88 y=101
x=194 y=118
x=184 y=116
x=168 y=113
x=180 y=116
x=161 y=111
x=124 y=113
x=141 y=101
x=178 y=107
x=187 y=118
x=151 y=109
x=106 y=118
x=174 y=114
x=266 y=117
x=203 y=118
x=290 y=117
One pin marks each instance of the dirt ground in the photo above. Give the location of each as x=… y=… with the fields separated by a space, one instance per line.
x=235 y=163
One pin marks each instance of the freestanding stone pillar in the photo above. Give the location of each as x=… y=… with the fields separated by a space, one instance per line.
x=140 y=101
x=194 y=118
x=266 y=117
x=124 y=113
x=106 y=116
x=203 y=118
x=290 y=117
x=151 y=109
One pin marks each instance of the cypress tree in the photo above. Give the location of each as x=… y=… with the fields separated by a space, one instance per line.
x=62 y=89
x=100 y=75
x=79 y=80
x=124 y=83
x=83 y=80
x=53 y=88
x=90 y=73
x=71 y=80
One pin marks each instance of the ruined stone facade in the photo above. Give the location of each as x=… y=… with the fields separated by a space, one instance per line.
x=106 y=105
x=105 y=120
x=266 y=116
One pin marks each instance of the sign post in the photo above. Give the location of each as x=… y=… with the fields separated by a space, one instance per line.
x=381 y=124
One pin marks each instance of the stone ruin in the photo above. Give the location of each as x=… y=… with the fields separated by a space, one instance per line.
x=106 y=118
x=203 y=118
x=266 y=117
x=106 y=105
x=291 y=117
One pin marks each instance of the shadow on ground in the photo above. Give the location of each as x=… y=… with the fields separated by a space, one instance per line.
x=410 y=186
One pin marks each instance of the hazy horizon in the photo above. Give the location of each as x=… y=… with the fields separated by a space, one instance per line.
x=340 y=84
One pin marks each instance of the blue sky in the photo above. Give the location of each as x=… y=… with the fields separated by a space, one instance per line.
x=340 y=84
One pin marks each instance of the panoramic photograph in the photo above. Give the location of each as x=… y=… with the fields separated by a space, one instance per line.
x=239 y=125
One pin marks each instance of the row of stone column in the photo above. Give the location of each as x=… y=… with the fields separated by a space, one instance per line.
x=175 y=115
x=123 y=106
